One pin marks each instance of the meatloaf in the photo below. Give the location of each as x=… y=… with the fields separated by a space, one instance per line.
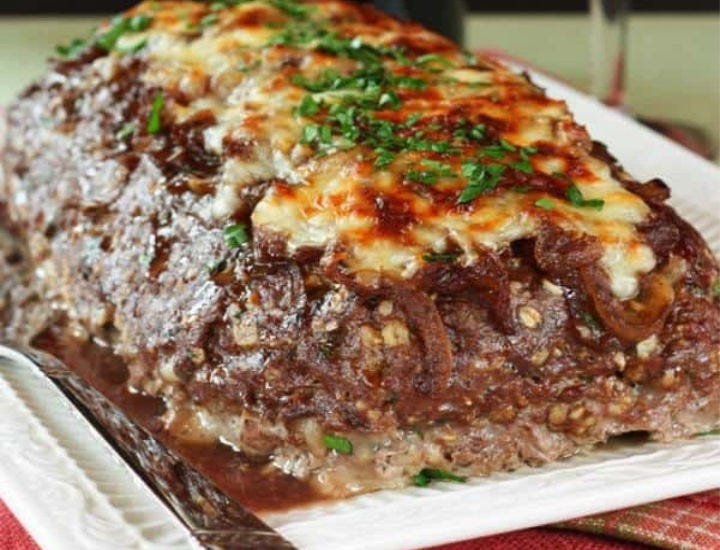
x=347 y=249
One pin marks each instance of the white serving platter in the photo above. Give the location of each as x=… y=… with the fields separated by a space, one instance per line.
x=71 y=491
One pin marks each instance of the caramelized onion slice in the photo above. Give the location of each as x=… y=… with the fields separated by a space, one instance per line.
x=486 y=281
x=633 y=320
x=425 y=323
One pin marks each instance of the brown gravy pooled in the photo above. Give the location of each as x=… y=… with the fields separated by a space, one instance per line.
x=257 y=487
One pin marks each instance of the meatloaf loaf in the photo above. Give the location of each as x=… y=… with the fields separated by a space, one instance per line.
x=349 y=250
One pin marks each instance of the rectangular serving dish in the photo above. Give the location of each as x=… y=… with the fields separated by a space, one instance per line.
x=93 y=496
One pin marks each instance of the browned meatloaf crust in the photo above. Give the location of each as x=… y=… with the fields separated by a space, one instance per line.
x=481 y=357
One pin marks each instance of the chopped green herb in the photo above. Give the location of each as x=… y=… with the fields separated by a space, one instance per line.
x=507 y=145
x=384 y=158
x=220 y=4
x=525 y=152
x=443 y=169
x=427 y=177
x=545 y=203
x=389 y=99
x=207 y=21
x=309 y=106
x=135 y=47
x=431 y=59
x=317 y=134
x=290 y=7
x=126 y=131
x=339 y=444
x=72 y=50
x=576 y=198
x=412 y=120
x=448 y=257
x=154 y=124
x=409 y=82
x=711 y=432
x=139 y=22
x=494 y=151
x=482 y=178
x=107 y=40
x=235 y=235
x=476 y=132
x=523 y=166
x=427 y=475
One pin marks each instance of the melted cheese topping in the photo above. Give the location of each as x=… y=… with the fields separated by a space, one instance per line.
x=375 y=219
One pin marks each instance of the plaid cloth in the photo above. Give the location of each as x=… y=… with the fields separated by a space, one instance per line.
x=685 y=523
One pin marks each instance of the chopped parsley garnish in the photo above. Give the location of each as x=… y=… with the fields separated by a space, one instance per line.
x=435 y=171
x=575 y=196
x=545 y=203
x=507 y=145
x=389 y=99
x=476 y=132
x=139 y=22
x=523 y=166
x=339 y=444
x=384 y=158
x=427 y=177
x=443 y=169
x=290 y=7
x=235 y=235
x=308 y=107
x=125 y=132
x=154 y=125
x=220 y=4
x=525 y=152
x=317 y=134
x=72 y=50
x=121 y=25
x=107 y=40
x=481 y=179
x=412 y=120
x=134 y=48
x=447 y=257
x=428 y=475
x=494 y=151
x=410 y=82
x=432 y=60
x=207 y=21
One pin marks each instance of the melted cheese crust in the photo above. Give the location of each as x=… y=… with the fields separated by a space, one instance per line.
x=368 y=218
